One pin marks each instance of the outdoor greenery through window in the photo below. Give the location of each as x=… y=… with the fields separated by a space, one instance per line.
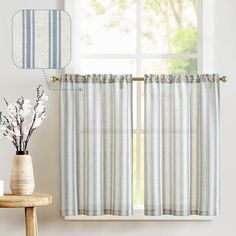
x=138 y=37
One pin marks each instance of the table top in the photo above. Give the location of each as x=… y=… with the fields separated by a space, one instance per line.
x=34 y=200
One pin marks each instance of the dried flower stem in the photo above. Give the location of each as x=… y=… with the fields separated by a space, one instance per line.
x=23 y=119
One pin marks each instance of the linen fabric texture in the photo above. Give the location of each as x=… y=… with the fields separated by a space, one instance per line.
x=41 y=39
x=96 y=145
x=182 y=145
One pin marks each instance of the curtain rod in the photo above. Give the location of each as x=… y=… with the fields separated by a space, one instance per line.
x=55 y=78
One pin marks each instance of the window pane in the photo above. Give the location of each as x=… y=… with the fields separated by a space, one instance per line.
x=107 y=26
x=102 y=66
x=169 y=26
x=169 y=66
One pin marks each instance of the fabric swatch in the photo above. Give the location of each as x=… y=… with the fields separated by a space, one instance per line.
x=41 y=39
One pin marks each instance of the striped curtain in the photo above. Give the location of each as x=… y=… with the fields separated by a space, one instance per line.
x=96 y=145
x=182 y=145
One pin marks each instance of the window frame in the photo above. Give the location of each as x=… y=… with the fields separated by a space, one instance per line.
x=71 y=7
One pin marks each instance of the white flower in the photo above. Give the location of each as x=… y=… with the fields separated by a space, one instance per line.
x=27 y=102
x=26 y=112
x=17 y=133
x=37 y=123
x=3 y=128
x=11 y=109
x=40 y=108
x=14 y=123
x=21 y=112
x=17 y=124
x=43 y=116
x=26 y=108
x=44 y=98
x=11 y=133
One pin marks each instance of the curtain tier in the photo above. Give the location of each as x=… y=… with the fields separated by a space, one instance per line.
x=96 y=145
x=181 y=145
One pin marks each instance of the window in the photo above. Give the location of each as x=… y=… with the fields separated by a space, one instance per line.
x=137 y=37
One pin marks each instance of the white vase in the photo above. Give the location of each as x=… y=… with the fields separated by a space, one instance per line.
x=22 y=174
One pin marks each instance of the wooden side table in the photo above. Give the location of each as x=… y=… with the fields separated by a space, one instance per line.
x=29 y=203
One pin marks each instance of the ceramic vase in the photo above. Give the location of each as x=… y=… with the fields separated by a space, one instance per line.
x=22 y=174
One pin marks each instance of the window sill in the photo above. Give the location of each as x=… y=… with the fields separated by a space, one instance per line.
x=138 y=216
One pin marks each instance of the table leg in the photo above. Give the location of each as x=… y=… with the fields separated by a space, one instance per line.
x=31 y=221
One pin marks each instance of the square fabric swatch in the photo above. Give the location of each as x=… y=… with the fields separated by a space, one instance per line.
x=41 y=39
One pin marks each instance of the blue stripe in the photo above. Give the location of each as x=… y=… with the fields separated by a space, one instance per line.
x=54 y=39
x=23 y=39
x=33 y=48
x=28 y=53
x=59 y=35
x=49 y=44
x=28 y=38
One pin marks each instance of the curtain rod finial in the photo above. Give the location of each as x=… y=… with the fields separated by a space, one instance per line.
x=54 y=78
x=224 y=78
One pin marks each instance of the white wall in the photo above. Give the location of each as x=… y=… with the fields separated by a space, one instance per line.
x=45 y=144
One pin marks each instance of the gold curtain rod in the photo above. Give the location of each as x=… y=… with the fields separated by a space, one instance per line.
x=222 y=78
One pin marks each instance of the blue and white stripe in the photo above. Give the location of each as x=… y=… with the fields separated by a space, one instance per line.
x=96 y=145
x=40 y=50
x=54 y=49
x=28 y=24
x=182 y=145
